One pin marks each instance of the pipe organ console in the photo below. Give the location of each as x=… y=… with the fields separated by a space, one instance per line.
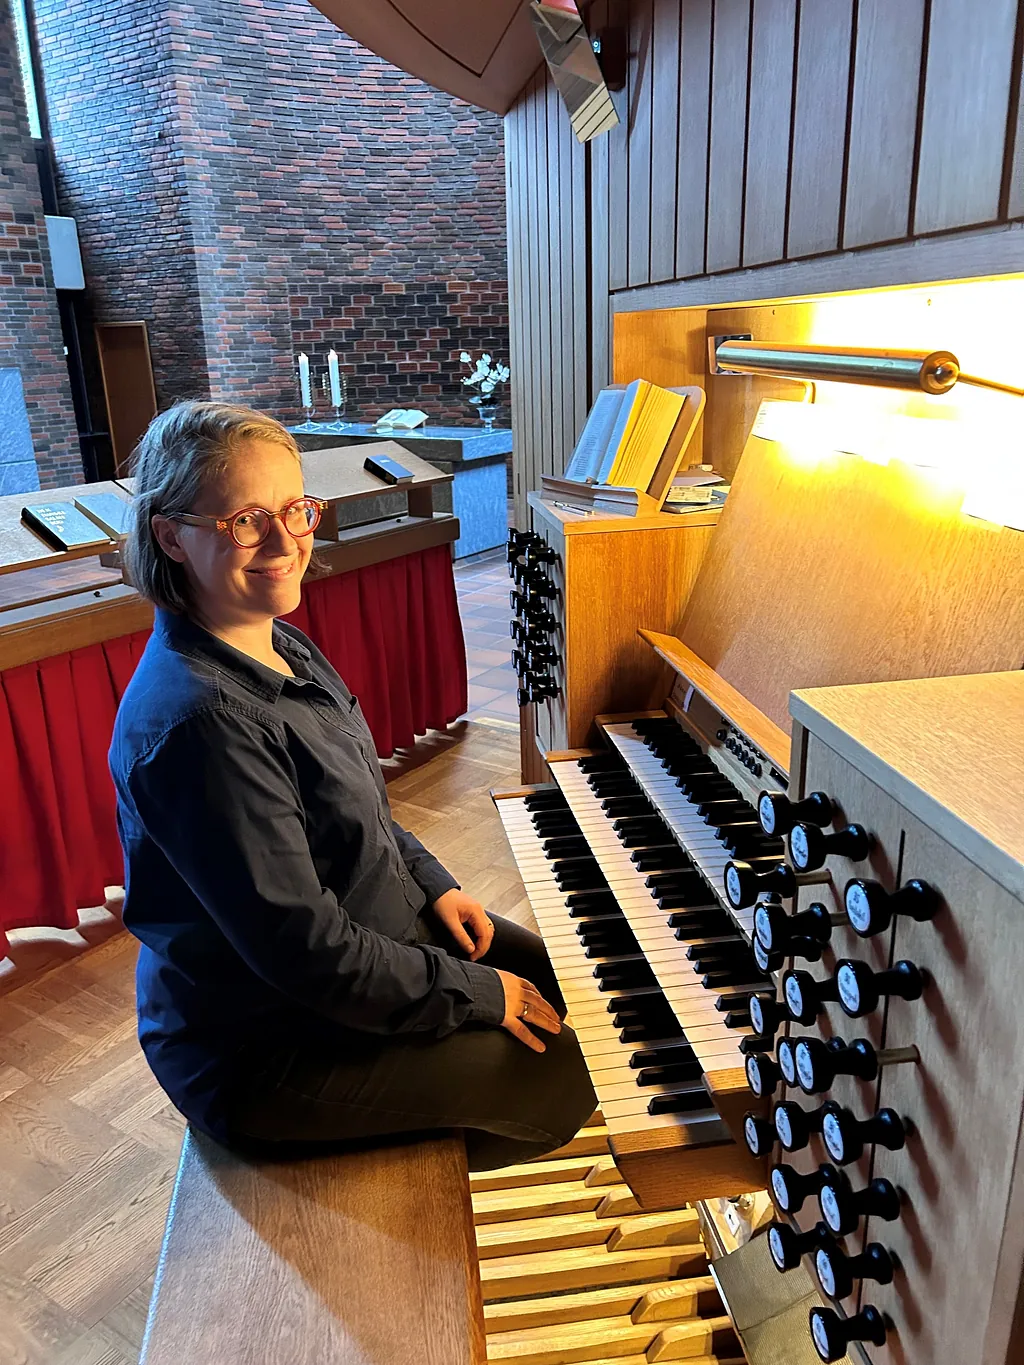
x=791 y=948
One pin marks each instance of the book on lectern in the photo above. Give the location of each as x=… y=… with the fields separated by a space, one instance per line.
x=63 y=526
x=110 y=513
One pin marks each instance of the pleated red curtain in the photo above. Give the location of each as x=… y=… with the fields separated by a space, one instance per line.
x=392 y=630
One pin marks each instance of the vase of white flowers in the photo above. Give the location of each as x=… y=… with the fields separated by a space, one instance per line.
x=488 y=377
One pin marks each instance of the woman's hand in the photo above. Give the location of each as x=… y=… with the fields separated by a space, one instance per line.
x=466 y=920
x=524 y=1005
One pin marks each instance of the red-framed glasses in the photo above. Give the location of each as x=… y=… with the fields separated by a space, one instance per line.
x=251 y=526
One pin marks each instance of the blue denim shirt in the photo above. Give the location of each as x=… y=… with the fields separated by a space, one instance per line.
x=274 y=896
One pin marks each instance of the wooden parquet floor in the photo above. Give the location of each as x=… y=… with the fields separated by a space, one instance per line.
x=89 y=1144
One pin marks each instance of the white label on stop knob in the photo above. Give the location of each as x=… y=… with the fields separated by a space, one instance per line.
x=777 y=1249
x=823 y=1265
x=763 y=925
x=830 y=1207
x=820 y=1335
x=779 y=1190
x=858 y=911
x=849 y=990
x=766 y=813
x=798 y=846
x=784 y=1128
x=833 y=1136
x=794 y=996
x=804 y=1067
x=732 y=887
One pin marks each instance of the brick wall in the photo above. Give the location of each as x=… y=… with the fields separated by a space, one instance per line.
x=109 y=79
x=30 y=335
x=252 y=182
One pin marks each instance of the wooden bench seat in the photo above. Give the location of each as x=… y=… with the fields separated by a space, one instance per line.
x=361 y=1258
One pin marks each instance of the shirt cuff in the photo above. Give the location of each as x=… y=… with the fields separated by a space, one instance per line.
x=433 y=880
x=488 y=993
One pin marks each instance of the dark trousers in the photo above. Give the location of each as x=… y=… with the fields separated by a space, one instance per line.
x=512 y=1103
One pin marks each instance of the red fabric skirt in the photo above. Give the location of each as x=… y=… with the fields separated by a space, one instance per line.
x=392 y=631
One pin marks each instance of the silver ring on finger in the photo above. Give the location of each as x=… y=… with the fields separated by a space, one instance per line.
x=526 y=1010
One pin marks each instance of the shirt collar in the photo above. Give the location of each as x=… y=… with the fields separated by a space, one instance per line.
x=180 y=633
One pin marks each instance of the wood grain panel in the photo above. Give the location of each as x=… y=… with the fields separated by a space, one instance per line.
x=664 y=138
x=666 y=347
x=544 y=208
x=694 y=104
x=641 y=83
x=904 y=585
x=964 y=1099
x=730 y=71
x=1015 y=187
x=887 y=72
x=772 y=47
x=371 y=1222
x=558 y=392
x=857 y=799
x=963 y=127
x=584 y=333
x=618 y=188
x=819 y=127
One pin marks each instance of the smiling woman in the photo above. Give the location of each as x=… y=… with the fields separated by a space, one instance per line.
x=309 y=972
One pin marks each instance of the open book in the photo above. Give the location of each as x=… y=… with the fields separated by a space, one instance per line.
x=625 y=436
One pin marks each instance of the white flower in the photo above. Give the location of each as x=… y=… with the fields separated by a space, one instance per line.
x=487 y=386
x=485 y=359
x=466 y=358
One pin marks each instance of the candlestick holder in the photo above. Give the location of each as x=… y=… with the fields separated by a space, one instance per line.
x=338 y=409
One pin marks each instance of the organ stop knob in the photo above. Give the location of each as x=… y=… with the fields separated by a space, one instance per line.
x=787 y=1245
x=778 y=814
x=809 y=847
x=842 y=1206
x=838 y=1272
x=819 y=1063
x=744 y=884
x=766 y=1014
x=846 y=1136
x=763 y=1074
x=860 y=988
x=794 y=1126
x=832 y=1334
x=806 y=996
x=870 y=908
x=758 y=1134
x=777 y=930
x=790 y=1189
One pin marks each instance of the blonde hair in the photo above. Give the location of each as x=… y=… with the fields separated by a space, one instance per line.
x=180 y=452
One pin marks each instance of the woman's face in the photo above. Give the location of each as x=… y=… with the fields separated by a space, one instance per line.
x=232 y=586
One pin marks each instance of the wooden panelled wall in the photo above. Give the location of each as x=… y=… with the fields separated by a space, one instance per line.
x=753 y=133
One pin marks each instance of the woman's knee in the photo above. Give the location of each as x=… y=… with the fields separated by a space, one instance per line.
x=570 y=1091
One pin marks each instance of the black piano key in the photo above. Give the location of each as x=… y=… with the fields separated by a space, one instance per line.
x=690 y=898
x=612 y=784
x=583 y=910
x=586 y=863
x=646 y=838
x=761 y=1042
x=726 y=947
x=701 y=922
x=626 y=980
x=628 y=823
x=675 y=1074
x=545 y=800
x=726 y=807
x=737 y=1019
x=733 y=1000
x=611 y=948
x=732 y=976
x=552 y=826
x=622 y=1002
x=676 y=879
x=566 y=846
x=688 y=1101
x=682 y=1053
x=642 y=1033
x=592 y=902
x=626 y=805
x=580 y=881
x=608 y=969
x=710 y=965
x=595 y=763
x=661 y=858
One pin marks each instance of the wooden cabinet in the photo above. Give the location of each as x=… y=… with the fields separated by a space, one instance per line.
x=612 y=575
x=934 y=770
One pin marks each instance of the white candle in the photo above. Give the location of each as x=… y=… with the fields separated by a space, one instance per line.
x=332 y=367
x=307 y=395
